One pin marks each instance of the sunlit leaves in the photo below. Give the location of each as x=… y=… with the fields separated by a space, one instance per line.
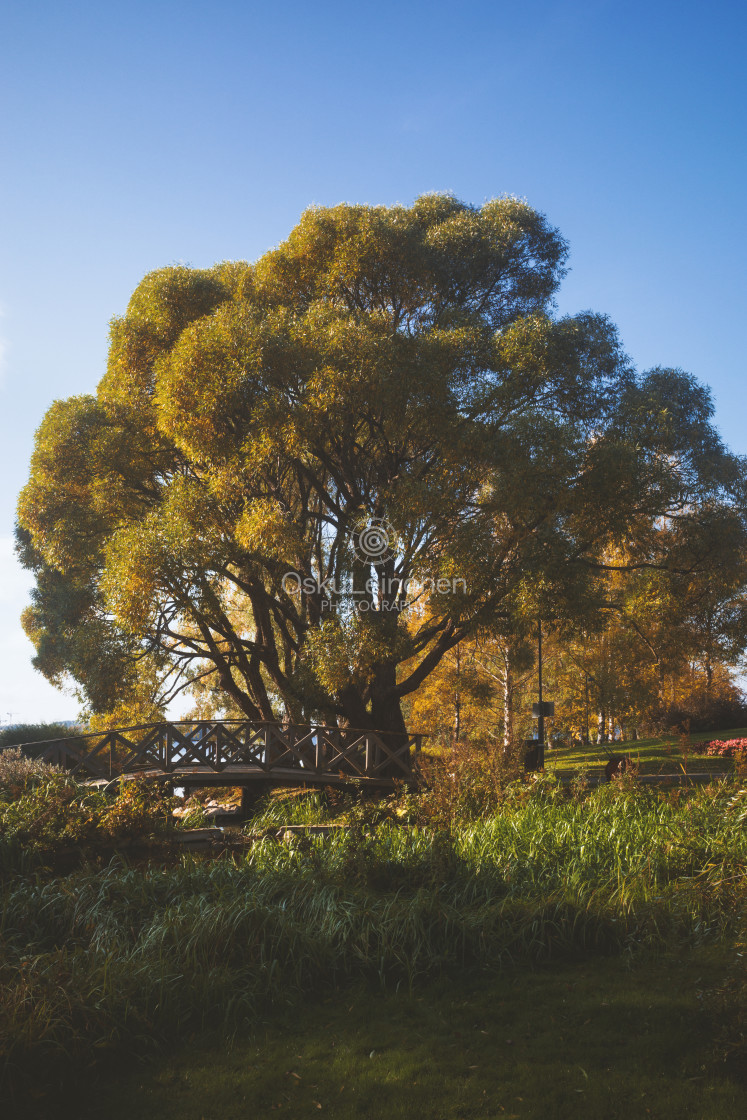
x=398 y=364
x=265 y=528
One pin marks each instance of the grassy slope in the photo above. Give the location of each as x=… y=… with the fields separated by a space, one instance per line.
x=665 y=754
x=591 y=1040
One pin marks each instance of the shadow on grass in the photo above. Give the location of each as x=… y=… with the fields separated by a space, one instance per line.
x=661 y=755
x=591 y=1040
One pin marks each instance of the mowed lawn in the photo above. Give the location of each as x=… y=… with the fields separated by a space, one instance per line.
x=596 y=1039
x=660 y=755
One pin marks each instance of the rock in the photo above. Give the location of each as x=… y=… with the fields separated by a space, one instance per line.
x=199 y=835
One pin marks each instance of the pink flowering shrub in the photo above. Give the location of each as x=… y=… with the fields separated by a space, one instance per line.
x=726 y=748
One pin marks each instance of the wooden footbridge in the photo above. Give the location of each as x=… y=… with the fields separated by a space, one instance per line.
x=236 y=753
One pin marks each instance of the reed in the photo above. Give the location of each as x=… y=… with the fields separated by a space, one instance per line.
x=122 y=957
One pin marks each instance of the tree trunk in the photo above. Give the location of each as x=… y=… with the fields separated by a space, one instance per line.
x=508 y=702
x=386 y=717
x=457 y=728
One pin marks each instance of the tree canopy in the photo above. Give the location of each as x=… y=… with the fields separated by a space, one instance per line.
x=284 y=459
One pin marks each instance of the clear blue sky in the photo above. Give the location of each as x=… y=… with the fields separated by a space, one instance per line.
x=136 y=135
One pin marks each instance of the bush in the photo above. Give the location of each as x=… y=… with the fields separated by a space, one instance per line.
x=465 y=785
x=59 y=812
x=726 y=748
x=18 y=771
x=141 y=808
x=56 y=811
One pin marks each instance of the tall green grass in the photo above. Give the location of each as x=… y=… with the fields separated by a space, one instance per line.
x=304 y=807
x=120 y=957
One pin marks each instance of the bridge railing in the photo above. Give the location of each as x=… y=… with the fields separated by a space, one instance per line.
x=235 y=747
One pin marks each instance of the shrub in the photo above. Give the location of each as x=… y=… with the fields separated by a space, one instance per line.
x=18 y=771
x=55 y=811
x=59 y=812
x=726 y=748
x=141 y=808
x=465 y=785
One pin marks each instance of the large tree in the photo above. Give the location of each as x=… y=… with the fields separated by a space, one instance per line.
x=277 y=448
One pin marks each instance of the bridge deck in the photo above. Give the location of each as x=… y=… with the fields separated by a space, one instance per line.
x=241 y=775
